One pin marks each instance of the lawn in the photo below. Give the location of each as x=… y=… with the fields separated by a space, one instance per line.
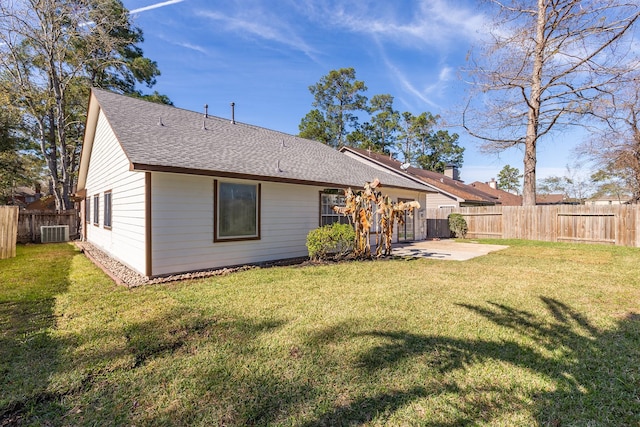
x=537 y=334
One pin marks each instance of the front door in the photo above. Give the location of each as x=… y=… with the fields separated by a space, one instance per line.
x=407 y=231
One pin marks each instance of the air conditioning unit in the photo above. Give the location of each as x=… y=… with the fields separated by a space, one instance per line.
x=54 y=233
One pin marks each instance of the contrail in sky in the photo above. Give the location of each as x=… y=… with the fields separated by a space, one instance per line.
x=155 y=6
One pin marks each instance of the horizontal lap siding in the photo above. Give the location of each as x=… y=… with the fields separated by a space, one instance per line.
x=109 y=170
x=434 y=201
x=182 y=224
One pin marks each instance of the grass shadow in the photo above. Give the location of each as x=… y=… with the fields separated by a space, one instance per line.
x=595 y=373
x=29 y=355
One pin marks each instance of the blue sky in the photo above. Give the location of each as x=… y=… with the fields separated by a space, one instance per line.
x=264 y=54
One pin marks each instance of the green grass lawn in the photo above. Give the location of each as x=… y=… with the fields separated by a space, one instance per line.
x=538 y=334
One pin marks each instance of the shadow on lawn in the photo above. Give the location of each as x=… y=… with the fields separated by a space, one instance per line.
x=29 y=355
x=596 y=374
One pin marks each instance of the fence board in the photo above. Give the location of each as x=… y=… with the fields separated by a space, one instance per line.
x=616 y=225
x=8 y=231
x=30 y=222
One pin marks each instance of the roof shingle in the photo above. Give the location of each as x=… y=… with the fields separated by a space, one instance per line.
x=435 y=179
x=162 y=137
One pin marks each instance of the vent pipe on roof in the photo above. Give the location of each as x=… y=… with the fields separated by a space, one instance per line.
x=160 y=121
x=233 y=113
x=206 y=111
x=204 y=124
x=278 y=170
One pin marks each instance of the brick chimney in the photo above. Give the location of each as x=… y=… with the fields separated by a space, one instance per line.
x=451 y=171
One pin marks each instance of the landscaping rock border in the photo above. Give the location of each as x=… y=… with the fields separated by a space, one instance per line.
x=123 y=275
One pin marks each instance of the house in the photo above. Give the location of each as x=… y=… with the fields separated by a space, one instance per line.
x=168 y=190
x=504 y=197
x=449 y=191
x=22 y=196
x=608 y=200
x=508 y=199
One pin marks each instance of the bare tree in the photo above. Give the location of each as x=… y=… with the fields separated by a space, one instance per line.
x=546 y=65
x=51 y=52
x=615 y=148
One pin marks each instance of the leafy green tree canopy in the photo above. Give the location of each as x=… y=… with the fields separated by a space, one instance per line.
x=340 y=103
x=429 y=149
x=337 y=97
x=509 y=179
x=51 y=53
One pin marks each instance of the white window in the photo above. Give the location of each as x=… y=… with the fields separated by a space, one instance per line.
x=327 y=214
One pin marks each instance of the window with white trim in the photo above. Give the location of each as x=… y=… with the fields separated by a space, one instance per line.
x=327 y=215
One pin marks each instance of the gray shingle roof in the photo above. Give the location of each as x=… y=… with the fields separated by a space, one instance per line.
x=182 y=143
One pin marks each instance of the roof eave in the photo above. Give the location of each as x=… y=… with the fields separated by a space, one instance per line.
x=236 y=175
x=93 y=112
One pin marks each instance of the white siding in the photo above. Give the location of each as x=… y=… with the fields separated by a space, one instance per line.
x=182 y=224
x=437 y=200
x=109 y=170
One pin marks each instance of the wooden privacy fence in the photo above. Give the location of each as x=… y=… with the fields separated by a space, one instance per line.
x=30 y=222
x=614 y=225
x=8 y=231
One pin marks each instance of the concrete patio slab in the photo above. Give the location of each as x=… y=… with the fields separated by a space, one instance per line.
x=451 y=250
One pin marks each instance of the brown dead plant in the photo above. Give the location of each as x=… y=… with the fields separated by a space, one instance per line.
x=361 y=206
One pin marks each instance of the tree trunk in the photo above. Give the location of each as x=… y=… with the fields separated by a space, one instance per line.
x=531 y=140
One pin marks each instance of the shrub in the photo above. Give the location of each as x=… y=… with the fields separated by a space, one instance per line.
x=335 y=241
x=457 y=225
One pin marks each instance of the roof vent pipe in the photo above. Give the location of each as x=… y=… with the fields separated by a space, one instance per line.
x=233 y=113
x=206 y=111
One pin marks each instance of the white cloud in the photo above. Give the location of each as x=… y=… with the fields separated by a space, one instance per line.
x=433 y=23
x=255 y=24
x=399 y=76
x=192 y=47
x=445 y=74
x=155 y=6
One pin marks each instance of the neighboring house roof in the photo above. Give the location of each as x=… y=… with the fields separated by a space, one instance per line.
x=45 y=203
x=157 y=137
x=505 y=198
x=508 y=199
x=550 y=199
x=457 y=189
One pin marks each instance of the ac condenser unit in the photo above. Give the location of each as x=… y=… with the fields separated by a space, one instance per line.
x=54 y=233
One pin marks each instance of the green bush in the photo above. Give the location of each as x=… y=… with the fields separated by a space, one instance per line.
x=457 y=225
x=331 y=241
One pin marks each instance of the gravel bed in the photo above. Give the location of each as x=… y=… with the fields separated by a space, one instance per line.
x=123 y=275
